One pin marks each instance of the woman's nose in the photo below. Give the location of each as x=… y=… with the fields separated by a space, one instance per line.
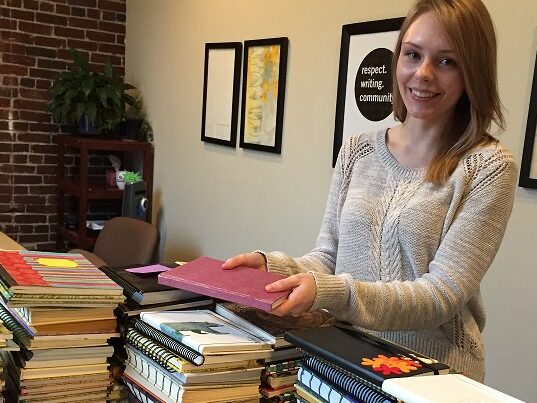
x=425 y=70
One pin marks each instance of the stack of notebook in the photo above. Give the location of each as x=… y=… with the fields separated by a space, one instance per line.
x=60 y=310
x=193 y=356
x=343 y=364
x=281 y=367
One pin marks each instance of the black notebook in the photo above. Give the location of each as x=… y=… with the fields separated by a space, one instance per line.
x=359 y=354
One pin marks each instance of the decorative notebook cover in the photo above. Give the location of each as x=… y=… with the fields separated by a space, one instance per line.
x=22 y=270
x=243 y=285
x=368 y=357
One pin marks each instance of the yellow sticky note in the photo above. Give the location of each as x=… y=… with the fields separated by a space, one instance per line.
x=52 y=262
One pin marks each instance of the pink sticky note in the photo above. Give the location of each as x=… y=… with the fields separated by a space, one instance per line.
x=154 y=268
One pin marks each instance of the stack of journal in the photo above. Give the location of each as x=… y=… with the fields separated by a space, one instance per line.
x=59 y=308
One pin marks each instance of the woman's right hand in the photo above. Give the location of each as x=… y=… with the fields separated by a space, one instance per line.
x=255 y=260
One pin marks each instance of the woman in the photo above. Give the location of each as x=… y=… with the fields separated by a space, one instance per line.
x=416 y=213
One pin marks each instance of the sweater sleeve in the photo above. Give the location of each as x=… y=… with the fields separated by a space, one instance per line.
x=453 y=276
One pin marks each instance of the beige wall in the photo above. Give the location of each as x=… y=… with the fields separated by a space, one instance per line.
x=213 y=200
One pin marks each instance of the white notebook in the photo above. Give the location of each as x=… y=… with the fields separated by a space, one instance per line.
x=449 y=388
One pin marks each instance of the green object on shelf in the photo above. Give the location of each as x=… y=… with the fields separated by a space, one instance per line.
x=132 y=177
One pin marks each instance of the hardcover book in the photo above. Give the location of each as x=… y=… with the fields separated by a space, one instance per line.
x=205 y=331
x=144 y=288
x=31 y=272
x=371 y=359
x=242 y=284
x=444 y=389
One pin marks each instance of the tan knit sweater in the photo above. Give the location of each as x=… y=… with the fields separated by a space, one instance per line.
x=403 y=258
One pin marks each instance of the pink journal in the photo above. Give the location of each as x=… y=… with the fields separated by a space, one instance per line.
x=242 y=285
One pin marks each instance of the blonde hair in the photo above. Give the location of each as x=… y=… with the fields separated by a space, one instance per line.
x=470 y=29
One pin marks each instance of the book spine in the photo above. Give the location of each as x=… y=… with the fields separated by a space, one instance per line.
x=19 y=334
x=127 y=288
x=164 y=340
x=159 y=354
x=155 y=375
x=361 y=390
x=137 y=393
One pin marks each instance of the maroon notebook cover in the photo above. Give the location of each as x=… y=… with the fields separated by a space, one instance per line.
x=242 y=285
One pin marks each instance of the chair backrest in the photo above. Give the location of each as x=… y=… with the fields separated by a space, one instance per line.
x=125 y=241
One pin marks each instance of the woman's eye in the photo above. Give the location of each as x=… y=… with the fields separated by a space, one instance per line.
x=446 y=61
x=412 y=55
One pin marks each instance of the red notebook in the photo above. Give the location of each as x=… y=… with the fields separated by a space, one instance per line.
x=242 y=285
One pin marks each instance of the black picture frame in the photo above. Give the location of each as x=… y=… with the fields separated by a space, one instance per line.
x=364 y=38
x=221 y=91
x=262 y=115
x=525 y=179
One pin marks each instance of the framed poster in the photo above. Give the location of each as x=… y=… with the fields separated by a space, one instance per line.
x=221 y=83
x=528 y=166
x=263 y=94
x=364 y=92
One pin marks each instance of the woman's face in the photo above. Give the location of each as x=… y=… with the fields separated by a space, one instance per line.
x=428 y=74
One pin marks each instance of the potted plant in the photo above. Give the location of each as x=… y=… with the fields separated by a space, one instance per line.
x=90 y=101
x=135 y=125
x=127 y=178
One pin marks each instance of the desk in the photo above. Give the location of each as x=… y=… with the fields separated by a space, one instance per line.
x=8 y=243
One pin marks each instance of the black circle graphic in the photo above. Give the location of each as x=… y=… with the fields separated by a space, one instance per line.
x=373 y=85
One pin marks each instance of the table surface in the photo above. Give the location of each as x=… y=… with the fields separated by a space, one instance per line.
x=8 y=243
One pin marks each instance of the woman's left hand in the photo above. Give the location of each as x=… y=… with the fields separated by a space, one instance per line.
x=302 y=295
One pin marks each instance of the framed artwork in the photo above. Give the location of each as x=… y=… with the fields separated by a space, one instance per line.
x=364 y=92
x=221 y=83
x=263 y=94
x=528 y=167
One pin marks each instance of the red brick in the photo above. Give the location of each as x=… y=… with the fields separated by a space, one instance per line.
x=43 y=73
x=35 y=28
x=24 y=169
x=30 y=4
x=22 y=15
x=5 y=158
x=26 y=104
x=9 y=92
x=20 y=158
x=5 y=102
x=120 y=39
x=34 y=116
x=51 y=19
x=14 y=3
x=20 y=126
x=43 y=84
x=44 y=149
x=112 y=27
x=41 y=52
x=100 y=58
x=93 y=13
x=46 y=170
x=20 y=148
x=47 y=7
x=18 y=59
x=78 y=12
x=49 y=42
x=69 y=32
x=27 y=179
x=86 y=45
x=32 y=138
x=99 y=36
x=34 y=94
x=83 y=23
x=62 y=9
x=115 y=49
x=7 y=23
x=13 y=69
x=51 y=64
x=9 y=80
x=10 y=47
x=17 y=37
x=112 y=5
x=83 y=3
x=27 y=82
x=43 y=127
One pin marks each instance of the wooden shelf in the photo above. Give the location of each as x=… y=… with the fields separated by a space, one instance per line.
x=87 y=190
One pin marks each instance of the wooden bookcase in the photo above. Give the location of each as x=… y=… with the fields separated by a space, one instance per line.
x=84 y=190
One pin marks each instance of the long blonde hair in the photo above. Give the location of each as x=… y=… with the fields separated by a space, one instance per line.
x=470 y=29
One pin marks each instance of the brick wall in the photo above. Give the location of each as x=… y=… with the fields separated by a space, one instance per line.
x=35 y=36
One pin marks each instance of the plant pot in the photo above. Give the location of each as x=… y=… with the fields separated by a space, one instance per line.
x=86 y=126
x=131 y=129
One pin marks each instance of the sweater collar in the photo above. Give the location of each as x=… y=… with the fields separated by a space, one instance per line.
x=389 y=161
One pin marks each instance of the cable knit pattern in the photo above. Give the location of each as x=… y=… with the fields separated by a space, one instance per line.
x=403 y=258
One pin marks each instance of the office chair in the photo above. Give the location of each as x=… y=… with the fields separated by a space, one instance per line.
x=123 y=241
